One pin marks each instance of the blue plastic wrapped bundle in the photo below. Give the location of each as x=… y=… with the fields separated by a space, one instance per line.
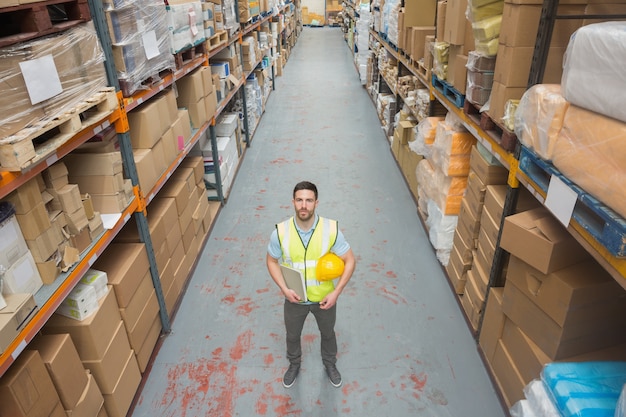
x=585 y=389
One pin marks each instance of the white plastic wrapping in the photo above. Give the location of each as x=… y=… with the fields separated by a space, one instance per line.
x=142 y=44
x=440 y=231
x=390 y=20
x=593 y=69
x=425 y=133
x=539 y=118
x=522 y=409
x=620 y=409
x=78 y=59
x=538 y=399
x=185 y=24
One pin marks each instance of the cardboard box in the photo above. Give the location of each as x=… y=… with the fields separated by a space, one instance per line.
x=125 y=264
x=454 y=29
x=55 y=176
x=469 y=225
x=144 y=354
x=537 y=238
x=487 y=171
x=441 y=20
x=109 y=163
x=96 y=279
x=179 y=191
x=590 y=328
x=197 y=113
x=173 y=236
x=146 y=168
x=513 y=65
x=526 y=355
x=132 y=312
x=418 y=40
x=81 y=240
x=520 y=23
x=507 y=376
x=158 y=155
x=210 y=104
x=110 y=203
x=107 y=370
x=564 y=290
x=26 y=389
x=197 y=164
x=419 y=13
x=457 y=278
x=77 y=221
x=18 y=312
x=138 y=333
x=191 y=88
x=99 y=184
x=493 y=323
x=32 y=224
x=457 y=72
x=46 y=244
x=92 y=335
x=500 y=94
x=26 y=197
x=90 y=401
x=145 y=125
x=22 y=276
x=185 y=124
x=119 y=400
x=64 y=367
x=88 y=206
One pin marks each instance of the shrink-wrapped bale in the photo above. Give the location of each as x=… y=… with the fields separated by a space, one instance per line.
x=593 y=69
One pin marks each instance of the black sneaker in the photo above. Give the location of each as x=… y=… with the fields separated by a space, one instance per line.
x=333 y=375
x=290 y=376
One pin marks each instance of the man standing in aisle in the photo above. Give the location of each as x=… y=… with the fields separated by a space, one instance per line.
x=299 y=242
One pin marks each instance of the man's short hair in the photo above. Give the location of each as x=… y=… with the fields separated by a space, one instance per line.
x=305 y=185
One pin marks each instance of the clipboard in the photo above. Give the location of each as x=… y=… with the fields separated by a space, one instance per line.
x=295 y=281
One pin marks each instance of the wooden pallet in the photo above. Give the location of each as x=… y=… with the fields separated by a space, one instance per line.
x=606 y=226
x=35 y=143
x=423 y=70
x=29 y=21
x=220 y=38
x=183 y=57
x=506 y=138
x=448 y=91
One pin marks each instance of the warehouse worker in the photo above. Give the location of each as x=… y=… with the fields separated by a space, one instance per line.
x=300 y=242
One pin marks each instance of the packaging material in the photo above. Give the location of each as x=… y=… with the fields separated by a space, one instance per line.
x=537 y=238
x=26 y=389
x=573 y=137
x=185 y=25
x=487 y=47
x=142 y=45
x=70 y=63
x=80 y=303
x=476 y=12
x=63 y=364
x=487 y=29
x=591 y=74
x=441 y=52
x=584 y=388
x=425 y=136
x=539 y=118
x=440 y=231
x=513 y=65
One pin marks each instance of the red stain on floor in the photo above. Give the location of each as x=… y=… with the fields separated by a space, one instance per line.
x=419 y=382
x=279 y=161
x=210 y=384
x=309 y=338
x=246 y=307
x=260 y=208
x=280 y=403
x=268 y=359
x=350 y=388
x=242 y=345
x=229 y=299
x=262 y=290
x=391 y=274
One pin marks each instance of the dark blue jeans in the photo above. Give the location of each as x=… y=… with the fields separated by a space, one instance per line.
x=295 y=315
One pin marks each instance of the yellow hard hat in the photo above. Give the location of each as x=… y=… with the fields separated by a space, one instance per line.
x=329 y=267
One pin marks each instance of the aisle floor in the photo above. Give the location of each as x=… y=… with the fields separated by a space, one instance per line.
x=404 y=346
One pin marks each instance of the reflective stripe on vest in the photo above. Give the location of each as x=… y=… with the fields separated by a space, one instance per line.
x=297 y=256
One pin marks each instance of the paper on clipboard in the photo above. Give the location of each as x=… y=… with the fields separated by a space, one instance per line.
x=295 y=281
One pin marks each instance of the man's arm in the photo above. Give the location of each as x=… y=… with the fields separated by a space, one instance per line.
x=274 y=269
x=349 y=265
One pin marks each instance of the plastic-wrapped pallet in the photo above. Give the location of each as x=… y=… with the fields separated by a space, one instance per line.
x=74 y=56
x=390 y=20
x=440 y=231
x=362 y=38
x=593 y=69
x=141 y=41
x=185 y=24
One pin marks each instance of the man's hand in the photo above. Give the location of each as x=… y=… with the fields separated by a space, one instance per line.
x=329 y=301
x=292 y=296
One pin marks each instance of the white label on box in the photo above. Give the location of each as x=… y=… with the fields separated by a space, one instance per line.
x=41 y=78
x=560 y=200
x=192 y=23
x=150 y=44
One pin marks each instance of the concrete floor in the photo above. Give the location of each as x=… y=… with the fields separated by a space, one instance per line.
x=404 y=346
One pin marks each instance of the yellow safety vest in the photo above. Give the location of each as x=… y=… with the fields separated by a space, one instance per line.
x=297 y=256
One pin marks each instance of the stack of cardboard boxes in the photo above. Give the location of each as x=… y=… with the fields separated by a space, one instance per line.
x=102 y=344
x=557 y=305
